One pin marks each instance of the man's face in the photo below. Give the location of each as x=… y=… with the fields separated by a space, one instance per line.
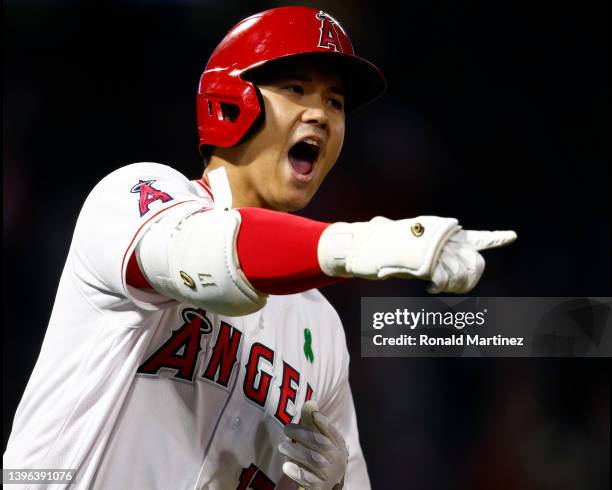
x=285 y=161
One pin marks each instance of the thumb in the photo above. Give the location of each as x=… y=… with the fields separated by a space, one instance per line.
x=483 y=240
x=307 y=415
x=314 y=420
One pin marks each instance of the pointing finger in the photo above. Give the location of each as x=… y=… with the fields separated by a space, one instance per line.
x=483 y=240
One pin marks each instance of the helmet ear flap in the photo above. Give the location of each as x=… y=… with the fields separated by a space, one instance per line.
x=258 y=120
x=226 y=109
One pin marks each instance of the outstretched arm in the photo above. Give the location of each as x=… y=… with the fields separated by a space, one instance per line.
x=228 y=261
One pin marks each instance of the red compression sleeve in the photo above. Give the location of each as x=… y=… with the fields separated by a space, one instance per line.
x=278 y=251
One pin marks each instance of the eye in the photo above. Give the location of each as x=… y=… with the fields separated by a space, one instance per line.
x=336 y=104
x=295 y=88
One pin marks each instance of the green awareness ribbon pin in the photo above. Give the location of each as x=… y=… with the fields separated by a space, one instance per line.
x=308 y=345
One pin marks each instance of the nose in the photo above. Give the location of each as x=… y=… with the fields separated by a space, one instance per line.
x=315 y=114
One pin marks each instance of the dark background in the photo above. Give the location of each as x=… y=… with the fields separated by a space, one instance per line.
x=497 y=113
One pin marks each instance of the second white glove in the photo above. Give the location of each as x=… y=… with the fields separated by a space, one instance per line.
x=318 y=458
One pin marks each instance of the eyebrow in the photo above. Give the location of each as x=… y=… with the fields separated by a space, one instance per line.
x=305 y=78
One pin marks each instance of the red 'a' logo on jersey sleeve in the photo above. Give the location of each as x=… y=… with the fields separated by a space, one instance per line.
x=148 y=195
x=329 y=36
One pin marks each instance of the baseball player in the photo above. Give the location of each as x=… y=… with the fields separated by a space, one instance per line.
x=188 y=347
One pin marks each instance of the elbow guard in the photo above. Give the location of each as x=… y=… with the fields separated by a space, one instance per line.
x=193 y=259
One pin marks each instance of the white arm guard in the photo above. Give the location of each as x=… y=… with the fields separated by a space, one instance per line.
x=382 y=247
x=193 y=259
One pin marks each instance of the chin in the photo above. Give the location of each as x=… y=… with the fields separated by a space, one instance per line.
x=295 y=200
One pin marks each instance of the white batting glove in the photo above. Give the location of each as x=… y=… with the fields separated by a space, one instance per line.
x=318 y=457
x=427 y=247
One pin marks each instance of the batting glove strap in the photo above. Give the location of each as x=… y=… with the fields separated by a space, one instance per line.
x=382 y=247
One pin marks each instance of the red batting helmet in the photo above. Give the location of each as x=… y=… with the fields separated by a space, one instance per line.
x=264 y=38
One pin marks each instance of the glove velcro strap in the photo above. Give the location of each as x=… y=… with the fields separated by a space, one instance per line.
x=382 y=247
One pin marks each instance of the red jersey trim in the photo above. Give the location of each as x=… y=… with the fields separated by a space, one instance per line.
x=204 y=185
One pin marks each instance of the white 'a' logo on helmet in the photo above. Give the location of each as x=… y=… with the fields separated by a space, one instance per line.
x=329 y=38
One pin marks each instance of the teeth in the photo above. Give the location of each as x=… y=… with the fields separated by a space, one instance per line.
x=311 y=141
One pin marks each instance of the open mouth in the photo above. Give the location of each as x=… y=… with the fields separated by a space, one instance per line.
x=303 y=155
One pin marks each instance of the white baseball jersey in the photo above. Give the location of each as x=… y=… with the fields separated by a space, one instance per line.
x=139 y=391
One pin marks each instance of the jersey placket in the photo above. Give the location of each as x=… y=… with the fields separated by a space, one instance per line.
x=232 y=421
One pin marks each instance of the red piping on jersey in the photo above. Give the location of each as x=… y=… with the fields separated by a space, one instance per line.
x=138 y=278
x=204 y=185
